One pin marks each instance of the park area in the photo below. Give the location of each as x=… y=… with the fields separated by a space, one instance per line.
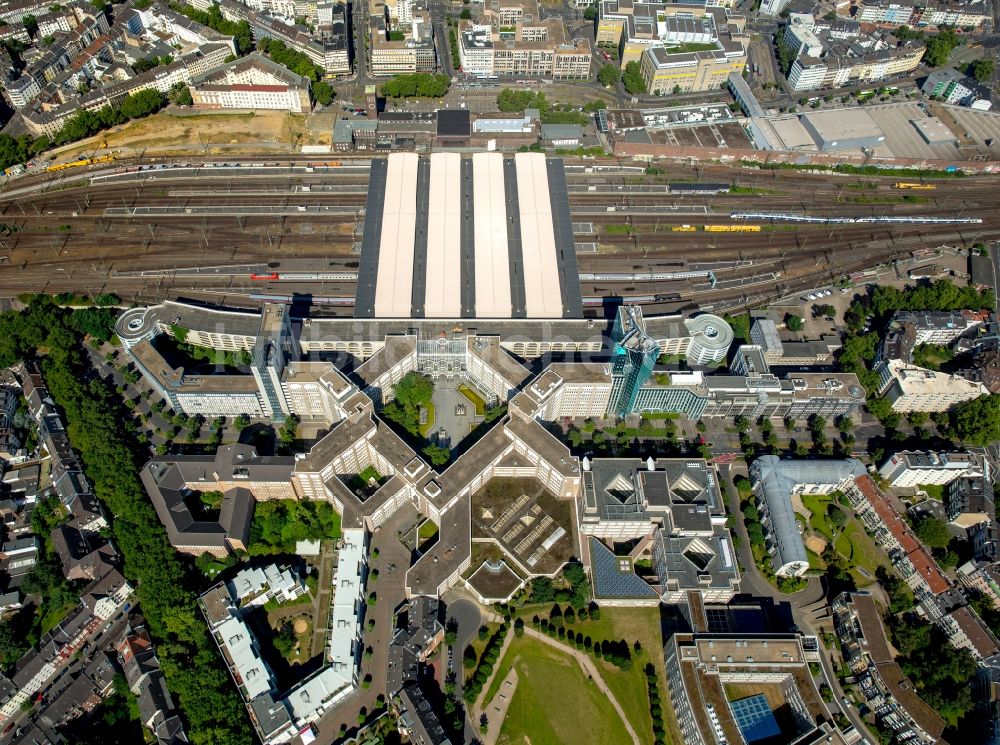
x=849 y=540
x=554 y=702
x=627 y=686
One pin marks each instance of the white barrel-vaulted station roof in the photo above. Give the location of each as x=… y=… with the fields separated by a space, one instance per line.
x=444 y=237
x=482 y=236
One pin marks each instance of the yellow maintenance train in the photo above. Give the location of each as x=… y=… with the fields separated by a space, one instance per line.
x=80 y=163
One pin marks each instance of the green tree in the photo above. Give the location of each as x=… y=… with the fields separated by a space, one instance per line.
x=510 y=100
x=940 y=47
x=591 y=13
x=932 y=532
x=416 y=85
x=609 y=75
x=284 y=640
x=977 y=422
x=786 y=56
x=793 y=322
x=180 y=95
x=900 y=597
x=982 y=69
x=414 y=389
x=632 y=78
x=278 y=524
x=323 y=93
x=437 y=455
x=104 y=437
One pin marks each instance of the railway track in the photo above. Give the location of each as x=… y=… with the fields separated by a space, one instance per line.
x=63 y=240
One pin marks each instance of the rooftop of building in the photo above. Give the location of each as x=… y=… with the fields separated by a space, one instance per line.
x=923 y=564
x=614 y=578
x=634 y=489
x=700 y=562
x=979 y=635
x=870 y=632
x=276 y=74
x=914 y=380
x=928 y=459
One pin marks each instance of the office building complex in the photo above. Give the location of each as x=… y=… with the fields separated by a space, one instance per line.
x=938 y=327
x=277 y=716
x=673 y=506
x=969 y=501
x=967 y=15
x=401 y=47
x=327 y=45
x=832 y=54
x=951 y=86
x=513 y=40
x=175 y=485
x=722 y=687
x=634 y=357
x=680 y=47
x=279 y=385
x=911 y=388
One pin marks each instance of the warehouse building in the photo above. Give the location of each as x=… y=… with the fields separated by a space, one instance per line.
x=496 y=229
x=833 y=130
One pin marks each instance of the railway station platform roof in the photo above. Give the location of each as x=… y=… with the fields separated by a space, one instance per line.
x=481 y=237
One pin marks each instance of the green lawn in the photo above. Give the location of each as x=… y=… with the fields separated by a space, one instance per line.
x=853 y=543
x=370 y=474
x=425 y=428
x=689 y=47
x=932 y=356
x=475 y=398
x=629 y=687
x=54 y=616
x=428 y=530
x=480 y=646
x=934 y=491
x=554 y=703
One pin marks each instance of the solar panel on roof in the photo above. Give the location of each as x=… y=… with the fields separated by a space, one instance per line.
x=613 y=579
